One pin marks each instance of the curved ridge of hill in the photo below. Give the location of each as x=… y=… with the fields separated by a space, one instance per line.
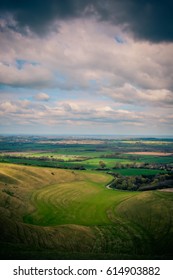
x=64 y=214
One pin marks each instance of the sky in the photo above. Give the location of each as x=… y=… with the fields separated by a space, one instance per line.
x=86 y=67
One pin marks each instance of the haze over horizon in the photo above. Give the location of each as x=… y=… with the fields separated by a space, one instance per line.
x=86 y=67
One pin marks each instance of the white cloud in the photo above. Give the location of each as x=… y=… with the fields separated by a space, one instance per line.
x=77 y=112
x=82 y=51
x=30 y=76
x=42 y=96
x=131 y=78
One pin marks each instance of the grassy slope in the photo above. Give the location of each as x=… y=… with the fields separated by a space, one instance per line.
x=52 y=213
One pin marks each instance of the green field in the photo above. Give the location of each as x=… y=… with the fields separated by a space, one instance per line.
x=56 y=213
x=155 y=159
x=138 y=171
x=109 y=162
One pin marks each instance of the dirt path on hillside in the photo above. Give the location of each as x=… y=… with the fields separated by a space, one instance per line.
x=108 y=187
x=167 y=190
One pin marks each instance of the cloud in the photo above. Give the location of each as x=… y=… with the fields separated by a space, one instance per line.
x=129 y=94
x=130 y=73
x=76 y=112
x=30 y=76
x=91 y=69
x=42 y=96
x=82 y=116
x=145 y=19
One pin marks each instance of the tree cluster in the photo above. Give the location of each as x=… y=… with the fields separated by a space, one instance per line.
x=142 y=182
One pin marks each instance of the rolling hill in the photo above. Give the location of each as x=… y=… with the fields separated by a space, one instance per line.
x=48 y=213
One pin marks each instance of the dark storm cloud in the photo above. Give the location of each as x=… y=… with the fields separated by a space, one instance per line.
x=150 y=20
x=38 y=14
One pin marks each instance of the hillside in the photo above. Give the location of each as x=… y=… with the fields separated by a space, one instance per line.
x=56 y=213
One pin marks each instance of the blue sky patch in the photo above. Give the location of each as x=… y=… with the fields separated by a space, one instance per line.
x=119 y=39
x=20 y=63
